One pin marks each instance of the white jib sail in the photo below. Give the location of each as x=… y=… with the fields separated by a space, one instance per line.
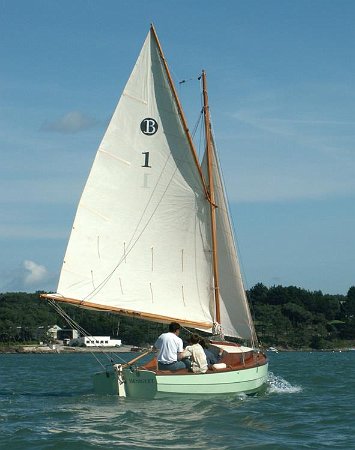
x=235 y=314
x=141 y=235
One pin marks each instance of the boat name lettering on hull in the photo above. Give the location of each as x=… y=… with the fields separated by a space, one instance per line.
x=140 y=381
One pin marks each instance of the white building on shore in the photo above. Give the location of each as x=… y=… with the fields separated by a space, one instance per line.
x=52 y=331
x=95 y=341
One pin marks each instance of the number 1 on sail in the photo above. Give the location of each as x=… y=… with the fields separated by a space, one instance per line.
x=146 y=159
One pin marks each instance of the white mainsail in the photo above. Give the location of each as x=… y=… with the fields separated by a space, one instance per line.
x=141 y=239
x=141 y=235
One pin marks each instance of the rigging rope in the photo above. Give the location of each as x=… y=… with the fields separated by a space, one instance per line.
x=200 y=114
x=73 y=324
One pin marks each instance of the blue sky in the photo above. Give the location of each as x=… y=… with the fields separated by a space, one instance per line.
x=282 y=90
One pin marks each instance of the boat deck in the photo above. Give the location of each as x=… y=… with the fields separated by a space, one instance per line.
x=233 y=361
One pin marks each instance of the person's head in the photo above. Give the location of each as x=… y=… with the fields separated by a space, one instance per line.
x=204 y=343
x=194 y=339
x=174 y=327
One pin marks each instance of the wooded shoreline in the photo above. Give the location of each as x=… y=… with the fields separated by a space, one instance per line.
x=288 y=318
x=127 y=349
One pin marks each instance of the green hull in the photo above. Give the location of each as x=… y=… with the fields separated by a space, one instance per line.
x=145 y=383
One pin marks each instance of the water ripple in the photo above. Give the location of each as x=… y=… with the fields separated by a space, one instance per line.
x=55 y=409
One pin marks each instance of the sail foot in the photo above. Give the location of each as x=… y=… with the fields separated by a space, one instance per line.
x=126 y=312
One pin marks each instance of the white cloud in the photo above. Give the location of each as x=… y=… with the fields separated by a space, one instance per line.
x=29 y=277
x=72 y=122
x=35 y=273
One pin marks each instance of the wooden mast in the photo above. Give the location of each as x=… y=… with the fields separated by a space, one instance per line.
x=213 y=206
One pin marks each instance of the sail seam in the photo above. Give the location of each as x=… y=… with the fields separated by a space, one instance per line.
x=135 y=98
x=111 y=155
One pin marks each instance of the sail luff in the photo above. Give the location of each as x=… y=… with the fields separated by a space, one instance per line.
x=179 y=107
x=211 y=197
x=126 y=312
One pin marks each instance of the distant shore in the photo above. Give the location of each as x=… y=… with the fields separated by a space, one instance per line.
x=57 y=348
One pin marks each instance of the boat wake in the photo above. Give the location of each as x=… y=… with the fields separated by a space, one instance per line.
x=277 y=384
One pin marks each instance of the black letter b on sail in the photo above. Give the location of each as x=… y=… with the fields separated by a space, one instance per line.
x=149 y=126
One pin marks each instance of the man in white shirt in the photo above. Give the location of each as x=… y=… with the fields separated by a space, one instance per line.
x=170 y=348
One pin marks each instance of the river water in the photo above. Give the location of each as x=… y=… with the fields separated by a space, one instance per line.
x=47 y=402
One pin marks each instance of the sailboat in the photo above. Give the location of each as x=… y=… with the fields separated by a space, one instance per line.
x=153 y=239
